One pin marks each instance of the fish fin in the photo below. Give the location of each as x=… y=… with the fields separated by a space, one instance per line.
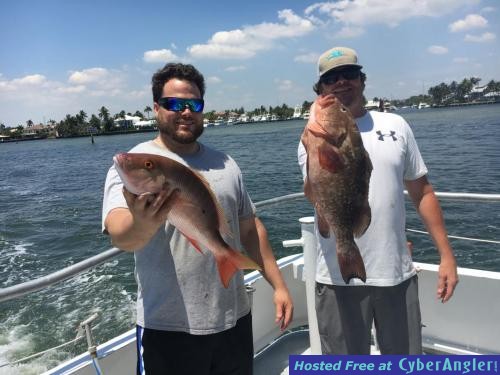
x=195 y=244
x=330 y=159
x=317 y=130
x=308 y=191
x=351 y=263
x=323 y=227
x=232 y=261
x=368 y=165
x=363 y=221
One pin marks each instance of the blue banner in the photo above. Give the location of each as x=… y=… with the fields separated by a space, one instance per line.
x=393 y=364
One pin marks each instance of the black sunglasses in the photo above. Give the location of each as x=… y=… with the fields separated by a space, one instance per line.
x=332 y=77
x=172 y=103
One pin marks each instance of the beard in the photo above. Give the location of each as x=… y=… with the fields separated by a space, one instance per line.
x=182 y=137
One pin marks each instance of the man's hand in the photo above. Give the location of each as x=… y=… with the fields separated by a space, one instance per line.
x=150 y=210
x=447 y=279
x=284 y=307
x=133 y=227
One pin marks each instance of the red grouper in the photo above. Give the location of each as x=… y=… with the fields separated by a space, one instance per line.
x=338 y=175
x=195 y=211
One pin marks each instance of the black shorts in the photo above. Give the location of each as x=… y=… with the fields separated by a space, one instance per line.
x=228 y=352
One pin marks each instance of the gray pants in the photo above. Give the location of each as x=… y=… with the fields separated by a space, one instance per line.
x=345 y=316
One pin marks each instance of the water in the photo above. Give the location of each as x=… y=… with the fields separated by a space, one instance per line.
x=51 y=192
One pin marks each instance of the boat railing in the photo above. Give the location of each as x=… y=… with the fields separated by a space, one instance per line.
x=40 y=283
x=43 y=282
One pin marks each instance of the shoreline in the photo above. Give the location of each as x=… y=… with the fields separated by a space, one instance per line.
x=121 y=132
x=465 y=104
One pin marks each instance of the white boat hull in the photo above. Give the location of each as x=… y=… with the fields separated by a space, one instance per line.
x=465 y=325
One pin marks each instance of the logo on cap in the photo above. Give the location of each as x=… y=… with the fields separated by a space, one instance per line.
x=334 y=55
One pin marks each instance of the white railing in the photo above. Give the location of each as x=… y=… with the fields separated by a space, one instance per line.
x=31 y=286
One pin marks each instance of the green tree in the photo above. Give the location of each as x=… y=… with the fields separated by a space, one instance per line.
x=81 y=116
x=440 y=93
x=463 y=89
x=103 y=113
x=474 y=81
x=95 y=123
x=306 y=106
x=18 y=133
x=148 y=110
x=492 y=86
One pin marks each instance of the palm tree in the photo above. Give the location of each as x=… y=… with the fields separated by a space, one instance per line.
x=490 y=87
x=103 y=113
x=95 y=123
x=82 y=115
x=148 y=110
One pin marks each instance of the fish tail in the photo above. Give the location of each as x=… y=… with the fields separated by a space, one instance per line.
x=230 y=262
x=351 y=263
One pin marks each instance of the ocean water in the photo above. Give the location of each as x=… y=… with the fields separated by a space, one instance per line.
x=50 y=217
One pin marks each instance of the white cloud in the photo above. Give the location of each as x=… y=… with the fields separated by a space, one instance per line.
x=487 y=10
x=284 y=85
x=235 y=68
x=472 y=21
x=437 y=50
x=214 y=79
x=246 y=42
x=20 y=84
x=307 y=58
x=88 y=76
x=350 y=32
x=354 y=15
x=461 y=60
x=159 y=56
x=483 y=38
x=71 y=89
x=98 y=81
x=34 y=79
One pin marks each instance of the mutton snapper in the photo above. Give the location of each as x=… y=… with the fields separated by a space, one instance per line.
x=338 y=175
x=195 y=211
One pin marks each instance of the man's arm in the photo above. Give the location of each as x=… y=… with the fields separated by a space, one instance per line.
x=427 y=205
x=254 y=238
x=133 y=227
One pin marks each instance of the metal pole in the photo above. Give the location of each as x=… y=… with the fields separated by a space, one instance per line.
x=309 y=241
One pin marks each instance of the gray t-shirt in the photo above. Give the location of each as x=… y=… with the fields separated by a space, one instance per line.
x=179 y=289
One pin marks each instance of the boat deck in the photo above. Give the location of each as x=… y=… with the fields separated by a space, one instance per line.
x=273 y=360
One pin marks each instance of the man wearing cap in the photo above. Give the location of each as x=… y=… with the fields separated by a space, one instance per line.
x=389 y=298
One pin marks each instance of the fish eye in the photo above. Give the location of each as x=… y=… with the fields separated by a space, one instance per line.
x=148 y=164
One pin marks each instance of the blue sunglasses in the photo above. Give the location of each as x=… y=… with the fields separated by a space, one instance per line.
x=171 y=103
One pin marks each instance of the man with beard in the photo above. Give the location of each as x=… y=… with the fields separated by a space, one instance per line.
x=187 y=322
x=389 y=298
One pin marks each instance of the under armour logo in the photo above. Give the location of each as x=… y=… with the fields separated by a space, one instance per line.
x=391 y=134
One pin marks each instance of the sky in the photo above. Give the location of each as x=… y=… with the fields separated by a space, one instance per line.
x=58 y=57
